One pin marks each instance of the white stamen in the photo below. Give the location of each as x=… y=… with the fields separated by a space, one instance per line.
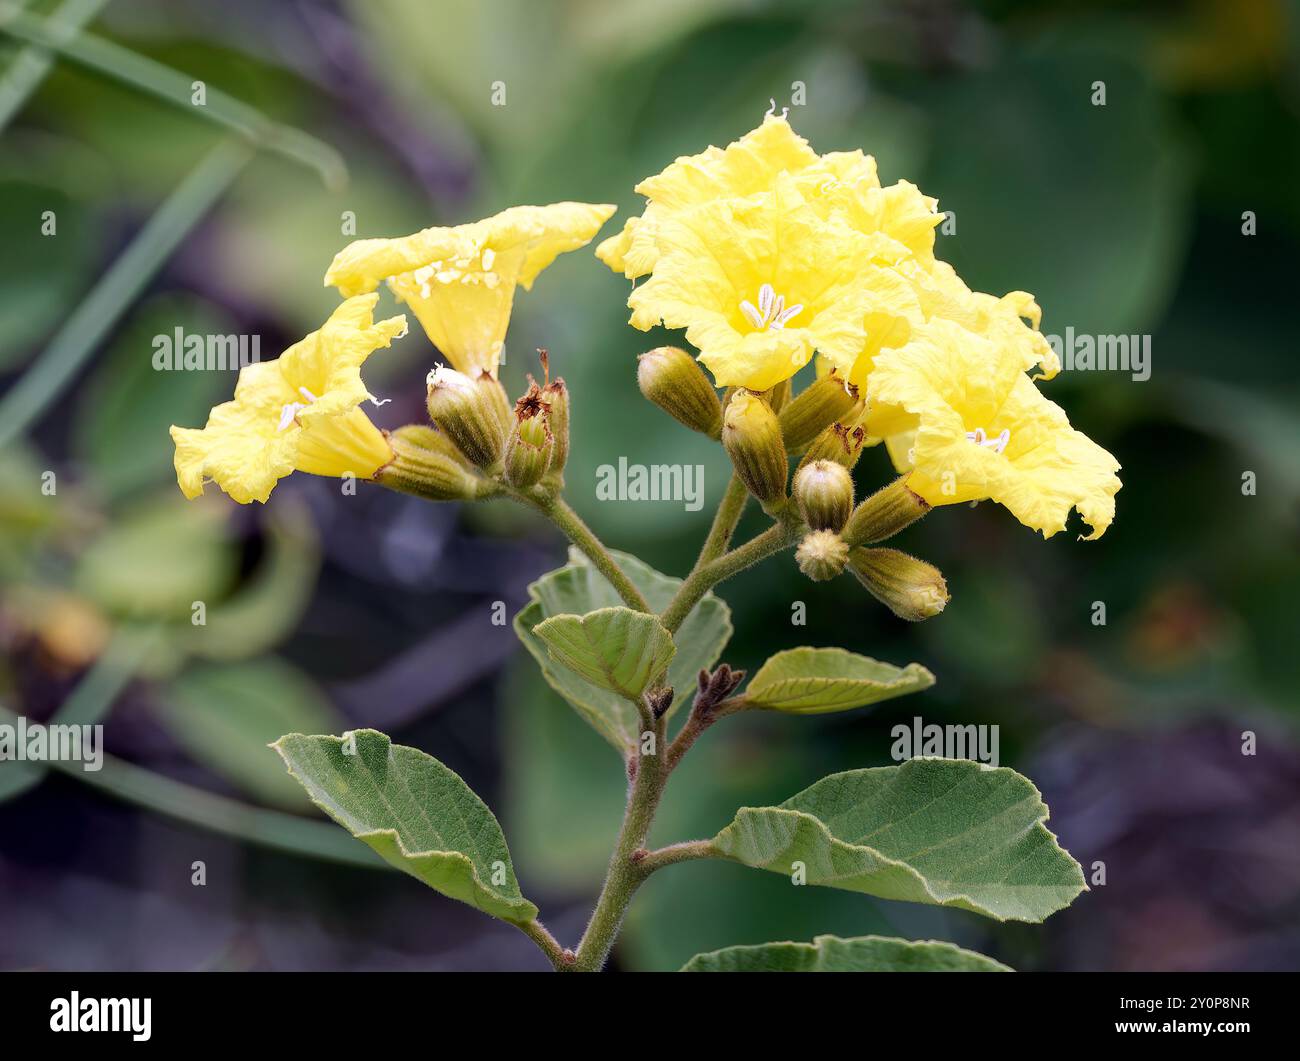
x=289 y=413
x=997 y=444
x=771 y=311
x=307 y=394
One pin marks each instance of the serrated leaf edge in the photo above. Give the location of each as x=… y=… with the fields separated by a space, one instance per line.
x=817 y=941
x=582 y=622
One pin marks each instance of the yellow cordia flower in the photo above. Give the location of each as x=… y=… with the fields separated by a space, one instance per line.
x=759 y=283
x=460 y=282
x=979 y=428
x=298 y=412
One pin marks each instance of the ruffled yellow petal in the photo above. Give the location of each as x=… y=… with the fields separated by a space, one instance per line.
x=460 y=282
x=758 y=283
x=983 y=430
x=298 y=412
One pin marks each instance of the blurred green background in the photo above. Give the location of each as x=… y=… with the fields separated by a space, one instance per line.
x=327 y=612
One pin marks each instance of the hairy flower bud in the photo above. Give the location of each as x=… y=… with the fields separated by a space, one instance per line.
x=529 y=449
x=821 y=555
x=908 y=587
x=885 y=513
x=820 y=404
x=473 y=413
x=752 y=439
x=555 y=396
x=823 y=491
x=426 y=464
x=841 y=443
x=674 y=381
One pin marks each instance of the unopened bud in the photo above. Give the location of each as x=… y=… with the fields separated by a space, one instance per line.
x=555 y=396
x=674 y=381
x=908 y=587
x=778 y=396
x=885 y=513
x=752 y=439
x=528 y=451
x=840 y=443
x=820 y=404
x=473 y=413
x=435 y=471
x=821 y=555
x=823 y=491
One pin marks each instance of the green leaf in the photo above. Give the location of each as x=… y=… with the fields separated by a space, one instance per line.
x=948 y=832
x=578 y=588
x=225 y=714
x=415 y=812
x=830 y=954
x=814 y=681
x=616 y=648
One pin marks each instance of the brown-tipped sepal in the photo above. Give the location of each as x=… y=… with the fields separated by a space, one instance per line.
x=821 y=403
x=885 y=513
x=823 y=491
x=822 y=555
x=555 y=396
x=751 y=436
x=427 y=465
x=840 y=443
x=473 y=413
x=674 y=381
x=908 y=587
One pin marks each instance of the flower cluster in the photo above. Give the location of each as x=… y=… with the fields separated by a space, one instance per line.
x=767 y=254
x=772 y=258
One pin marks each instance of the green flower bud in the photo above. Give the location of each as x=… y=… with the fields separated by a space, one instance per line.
x=473 y=413
x=908 y=587
x=752 y=439
x=885 y=513
x=529 y=450
x=436 y=471
x=555 y=396
x=841 y=443
x=821 y=555
x=820 y=404
x=674 y=381
x=823 y=491
x=778 y=396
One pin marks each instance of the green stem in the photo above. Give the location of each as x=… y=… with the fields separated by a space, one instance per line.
x=777 y=537
x=559 y=958
x=626 y=868
x=559 y=513
x=686 y=851
x=724 y=520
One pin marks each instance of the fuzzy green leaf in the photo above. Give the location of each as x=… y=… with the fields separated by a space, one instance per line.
x=831 y=954
x=578 y=588
x=948 y=832
x=415 y=812
x=814 y=681
x=615 y=648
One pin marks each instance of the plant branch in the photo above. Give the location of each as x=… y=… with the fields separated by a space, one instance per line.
x=687 y=851
x=558 y=512
x=777 y=537
x=725 y=519
x=560 y=958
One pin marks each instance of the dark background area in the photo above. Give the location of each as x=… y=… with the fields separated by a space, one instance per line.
x=329 y=612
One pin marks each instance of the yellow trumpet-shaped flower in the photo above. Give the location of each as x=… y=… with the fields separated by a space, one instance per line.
x=759 y=283
x=296 y=413
x=981 y=429
x=460 y=282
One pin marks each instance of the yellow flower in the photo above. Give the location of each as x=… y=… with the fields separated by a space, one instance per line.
x=983 y=430
x=746 y=167
x=296 y=413
x=759 y=283
x=460 y=282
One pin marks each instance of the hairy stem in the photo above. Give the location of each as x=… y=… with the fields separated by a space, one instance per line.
x=695 y=725
x=559 y=513
x=687 y=851
x=560 y=959
x=626 y=867
x=706 y=576
x=724 y=520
